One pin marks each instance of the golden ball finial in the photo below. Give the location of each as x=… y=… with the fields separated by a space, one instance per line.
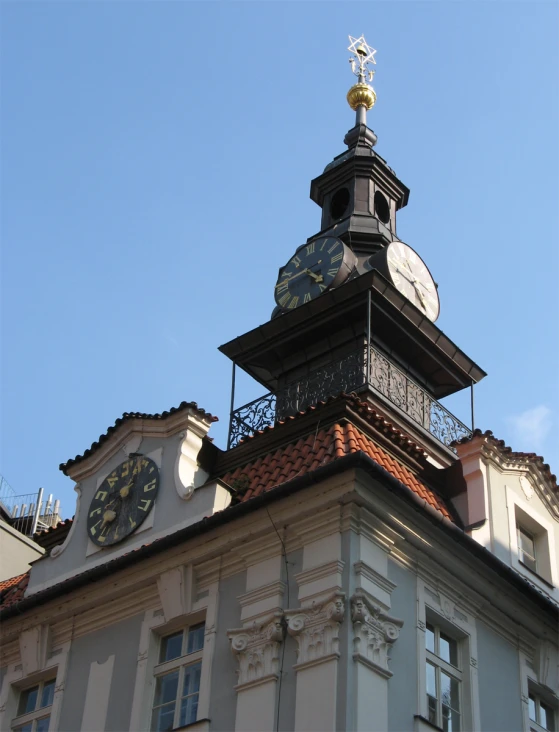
x=361 y=94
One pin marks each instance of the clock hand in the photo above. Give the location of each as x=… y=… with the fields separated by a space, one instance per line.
x=420 y=296
x=288 y=279
x=316 y=278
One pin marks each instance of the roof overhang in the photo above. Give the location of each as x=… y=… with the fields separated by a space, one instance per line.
x=265 y=351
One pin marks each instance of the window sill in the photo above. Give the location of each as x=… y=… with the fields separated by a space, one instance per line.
x=423 y=721
x=200 y=725
x=542 y=579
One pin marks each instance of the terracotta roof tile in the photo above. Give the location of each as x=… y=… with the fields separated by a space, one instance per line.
x=12 y=590
x=314 y=450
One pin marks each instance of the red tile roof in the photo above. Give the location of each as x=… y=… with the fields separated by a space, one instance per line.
x=12 y=590
x=315 y=450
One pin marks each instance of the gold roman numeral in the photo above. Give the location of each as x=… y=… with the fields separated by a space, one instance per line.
x=307 y=297
x=322 y=288
x=332 y=272
x=310 y=248
x=332 y=247
x=294 y=302
x=324 y=243
x=284 y=299
x=337 y=258
x=282 y=286
x=296 y=261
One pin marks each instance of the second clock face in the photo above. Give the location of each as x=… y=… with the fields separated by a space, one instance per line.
x=123 y=501
x=412 y=278
x=318 y=266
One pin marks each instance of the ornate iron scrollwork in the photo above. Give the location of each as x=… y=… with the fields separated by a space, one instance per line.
x=252 y=417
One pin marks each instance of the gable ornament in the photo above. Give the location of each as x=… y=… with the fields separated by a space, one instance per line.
x=373 y=633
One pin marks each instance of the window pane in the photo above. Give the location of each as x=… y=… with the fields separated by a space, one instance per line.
x=448 y=649
x=48 y=694
x=192 y=679
x=532 y=707
x=432 y=709
x=449 y=691
x=526 y=543
x=28 y=700
x=166 y=688
x=451 y=720
x=42 y=724
x=546 y=717
x=431 y=684
x=189 y=709
x=162 y=718
x=196 y=638
x=171 y=647
x=26 y=728
x=430 y=638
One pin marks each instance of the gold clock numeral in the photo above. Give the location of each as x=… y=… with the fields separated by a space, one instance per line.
x=332 y=272
x=294 y=302
x=151 y=486
x=97 y=510
x=93 y=529
x=126 y=469
x=282 y=286
x=146 y=502
x=284 y=299
x=296 y=261
x=101 y=495
x=111 y=480
x=324 y=243
x=310 y=248
x=307 y=297
x=332 y=248
x=133 y=524
x=337 y=258
x=322 y=288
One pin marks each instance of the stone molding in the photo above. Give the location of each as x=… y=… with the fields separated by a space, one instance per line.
x=316 y=629
x=374 y=632
x=257 y=648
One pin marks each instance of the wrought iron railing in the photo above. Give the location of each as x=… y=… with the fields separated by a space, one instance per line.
x=347 y=374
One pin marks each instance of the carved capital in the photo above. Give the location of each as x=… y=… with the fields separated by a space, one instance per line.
x=316 y=629
x=374 y=632
x=257 y=649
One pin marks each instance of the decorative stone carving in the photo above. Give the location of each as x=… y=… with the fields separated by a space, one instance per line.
x=317 y=628
x=257 y=649
x=374 y=632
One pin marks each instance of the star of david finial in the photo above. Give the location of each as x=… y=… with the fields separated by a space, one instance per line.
x=363 y=54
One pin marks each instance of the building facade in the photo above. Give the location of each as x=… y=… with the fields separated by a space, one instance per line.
x=356 y=559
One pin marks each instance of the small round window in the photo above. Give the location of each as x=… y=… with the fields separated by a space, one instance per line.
x=382 y=209
x=339 y=203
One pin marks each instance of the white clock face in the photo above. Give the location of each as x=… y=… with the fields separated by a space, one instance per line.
x=412 y=278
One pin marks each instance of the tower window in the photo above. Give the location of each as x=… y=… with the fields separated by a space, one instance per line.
x=382 y=209
x=339 y=203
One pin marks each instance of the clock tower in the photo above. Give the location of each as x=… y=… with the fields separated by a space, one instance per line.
x=356 y=307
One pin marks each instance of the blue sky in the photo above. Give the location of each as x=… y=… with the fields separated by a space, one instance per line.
x=156 y=160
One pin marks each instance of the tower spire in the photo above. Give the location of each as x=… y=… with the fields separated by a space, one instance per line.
x=361 y=96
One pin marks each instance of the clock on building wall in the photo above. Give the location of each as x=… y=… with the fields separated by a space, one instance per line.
x=409 y=274
x=123 y=501
x=317 y=266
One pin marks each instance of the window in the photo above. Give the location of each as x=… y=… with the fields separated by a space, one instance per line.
x=443 y=679
x=542 y=716
x=177 y=679
x=34 y=708
x=526 y=548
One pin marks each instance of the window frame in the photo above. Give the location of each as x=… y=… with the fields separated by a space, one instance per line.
x=442 y=666
x=539 y=699
x=533 y=563
x=456 y=617
x=180 y=663
x=34 y=716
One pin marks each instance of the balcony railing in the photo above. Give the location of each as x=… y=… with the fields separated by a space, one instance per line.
x=350 y=373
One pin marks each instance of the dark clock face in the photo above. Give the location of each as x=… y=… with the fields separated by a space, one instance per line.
x=316 y=267
x=123 y=501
